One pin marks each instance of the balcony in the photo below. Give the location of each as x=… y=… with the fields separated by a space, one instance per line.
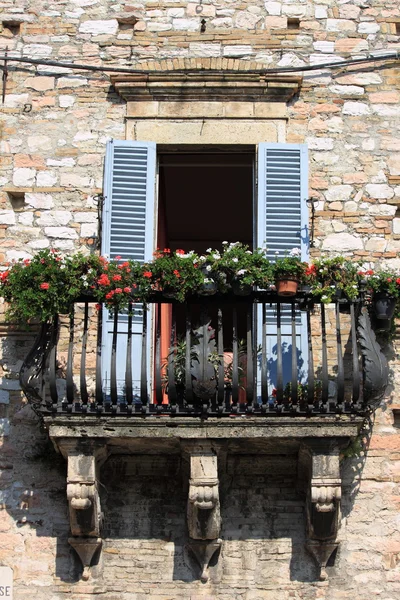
x=220 y=375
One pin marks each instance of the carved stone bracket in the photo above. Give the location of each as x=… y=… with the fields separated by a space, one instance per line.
x=203 y=508
x=84 y=460
x=319 y=468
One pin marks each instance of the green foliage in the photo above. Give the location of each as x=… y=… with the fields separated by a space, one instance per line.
x=332 y=277
x=290 y=267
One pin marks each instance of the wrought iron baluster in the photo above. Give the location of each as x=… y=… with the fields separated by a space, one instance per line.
x=250 y=396
x=311 y=377
x=158 y=366
x=128 y=367
x=188 y=358
x=294 y=391
x=83 y=383
x=264 y=371
x=354 y=348
x=99 y=377
x=340 y=366
x=279 y=361
x=172 y=396
x=143 y=364
x=113 y=370
x=235 y=362
x=70 y=358
x=325 y=381
x=53 y=362
x=221 y=365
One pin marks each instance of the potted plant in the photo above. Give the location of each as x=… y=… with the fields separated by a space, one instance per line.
x=289 y=272
x=176 y=273
x=384 y=286
x=334 y=278
x=238 y=268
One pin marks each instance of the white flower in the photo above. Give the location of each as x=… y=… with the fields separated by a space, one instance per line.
x=208 y=268
x=208 y=249
x=295 y=252
x=202 y=258
x=276 y=252
x=225 y=243
x=241 y=272
x=84 y=278
x=216 y=256
x=248 y=252
x=235 y=260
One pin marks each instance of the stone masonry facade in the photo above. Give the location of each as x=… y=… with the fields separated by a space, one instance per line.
x=54 y=124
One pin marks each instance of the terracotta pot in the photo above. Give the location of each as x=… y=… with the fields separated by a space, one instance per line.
x=286 y=287
x=384 y=306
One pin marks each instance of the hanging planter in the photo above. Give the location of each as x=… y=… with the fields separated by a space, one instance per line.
x=208 y=288
x=241 y=289
x=286 y=287
x=384 y=306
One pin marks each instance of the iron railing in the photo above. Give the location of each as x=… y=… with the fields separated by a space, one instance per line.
x=226 y=355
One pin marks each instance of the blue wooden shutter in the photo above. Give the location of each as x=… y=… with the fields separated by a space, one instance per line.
x=282 y=220
x=127 y=231
x=282 y=224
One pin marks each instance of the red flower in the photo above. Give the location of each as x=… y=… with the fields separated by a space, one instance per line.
x=26 y=261
x=118 y=257
x=148 y=274
x=180 y=251
x=4 y=275
x=44 y=286
x=369 y=272
x=42 y=260
x=97 y=306
x=167 y=251
x=274 y=393
x=176 y=273
x=103 y=260
x=103 y=280
x=398 y=281
x=117 y=277
x=389 y=280
x=127 y=289
x=311 y=270
x=109 y=295
x=118 y=290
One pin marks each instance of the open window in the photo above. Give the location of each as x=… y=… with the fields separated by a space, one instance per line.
x=194 y=197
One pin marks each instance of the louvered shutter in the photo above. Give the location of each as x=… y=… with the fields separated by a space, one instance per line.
x=282 y=224
x=127 y=231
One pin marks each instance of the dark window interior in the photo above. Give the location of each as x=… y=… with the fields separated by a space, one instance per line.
x=204 y=199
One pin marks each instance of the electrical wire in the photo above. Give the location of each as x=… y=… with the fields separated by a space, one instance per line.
x=339 y=64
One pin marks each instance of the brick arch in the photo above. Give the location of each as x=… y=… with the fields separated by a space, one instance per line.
x=200 y=64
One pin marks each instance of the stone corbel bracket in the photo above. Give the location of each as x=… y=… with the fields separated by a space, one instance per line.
x=203 y=507
x=84 y=461
x=319 y=468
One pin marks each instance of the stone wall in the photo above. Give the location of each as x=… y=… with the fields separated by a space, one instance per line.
x=54 y=124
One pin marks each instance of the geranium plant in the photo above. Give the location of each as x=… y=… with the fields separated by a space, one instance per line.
x=47 y=284
x=176 y=273
x=333 y=277
x=385 y=281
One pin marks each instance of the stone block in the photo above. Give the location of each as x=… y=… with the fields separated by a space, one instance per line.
x=61 y=233
x=342 y=242
x=338 y=193
x=356 y=109
x=94 y=27
x=46 y=179
x=199 y=10
x=89 y=230
x=44 y=201
x=40 y=84
x=66 y=101
x=368 y=27
x=380 y=190
x=7 y=217
x=38 y=143
x=24 y=177
x=273 y=8
x=186 y=24
x=320 y=143
x=55 y=218
x=275 y=22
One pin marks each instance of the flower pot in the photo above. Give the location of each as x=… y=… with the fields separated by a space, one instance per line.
x=286 y=287
x=384 y=306
x=209 y=288
x=241 y=289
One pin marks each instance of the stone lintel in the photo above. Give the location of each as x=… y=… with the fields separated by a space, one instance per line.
x=205 y=109
x=215 y=85
x=167 y=432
